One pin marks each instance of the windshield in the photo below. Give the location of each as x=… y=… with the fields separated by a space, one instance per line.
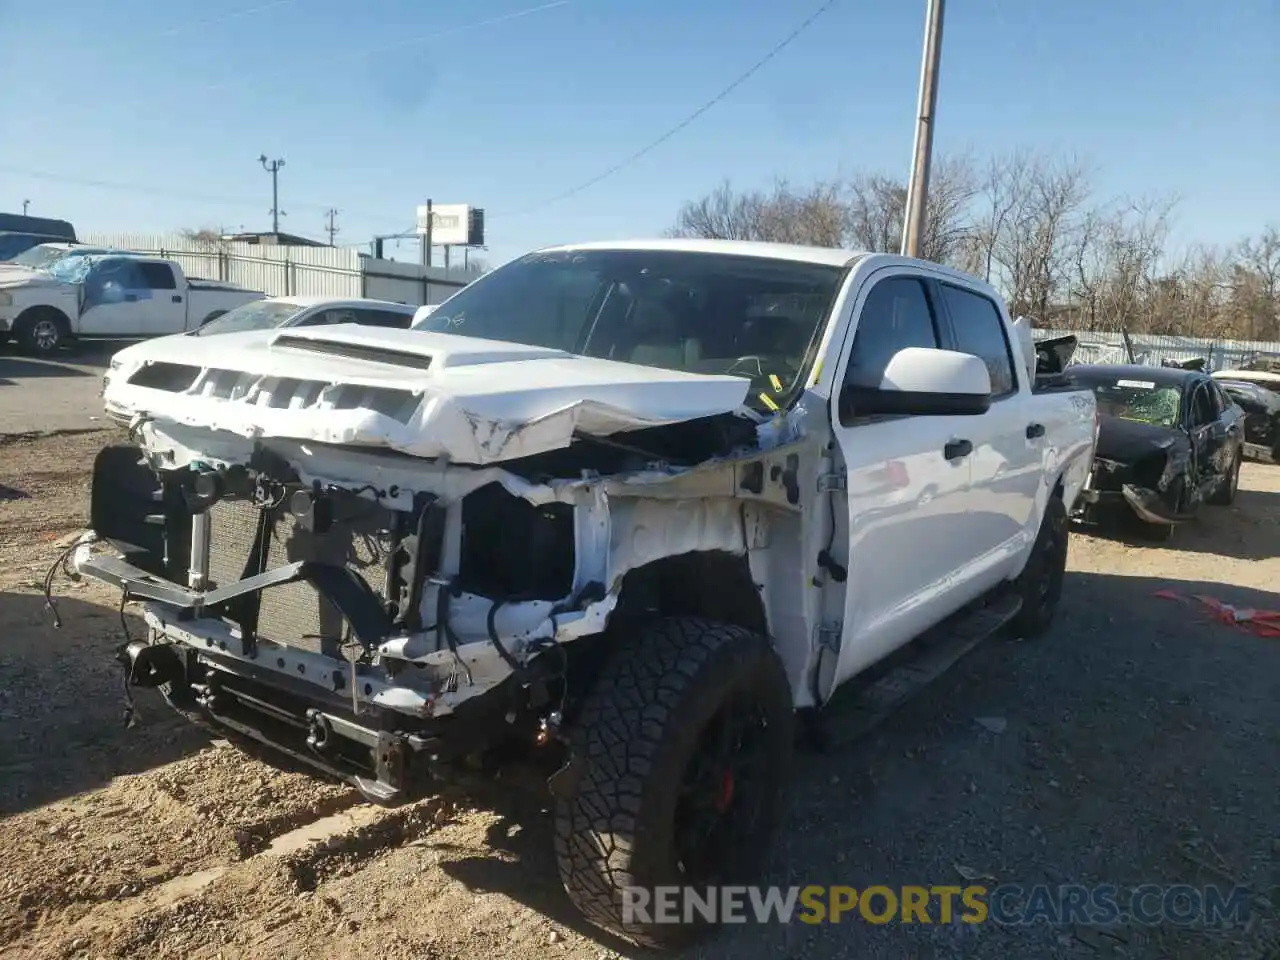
x=38 y=257
x=697 y=312
x=70 y=269
x=1138 y=400
x=259 y=315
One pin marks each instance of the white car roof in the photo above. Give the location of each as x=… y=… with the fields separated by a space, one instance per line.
x=830 y=256
x=309 y=302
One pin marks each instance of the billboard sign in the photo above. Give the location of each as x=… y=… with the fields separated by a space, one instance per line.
x=453 y=225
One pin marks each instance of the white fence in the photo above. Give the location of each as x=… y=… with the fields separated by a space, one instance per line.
x=1151 y=348
x=301 y=271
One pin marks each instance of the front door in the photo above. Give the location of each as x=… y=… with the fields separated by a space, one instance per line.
x=1208 y=438
x=119 y=298
x=907 y=479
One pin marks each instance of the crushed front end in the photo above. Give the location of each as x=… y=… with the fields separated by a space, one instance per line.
x=1152 y=485
x=288 y=610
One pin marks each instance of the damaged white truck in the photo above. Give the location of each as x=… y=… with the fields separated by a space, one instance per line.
x=633 y=506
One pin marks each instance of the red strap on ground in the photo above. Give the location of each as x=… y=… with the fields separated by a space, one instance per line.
x=1263 y=623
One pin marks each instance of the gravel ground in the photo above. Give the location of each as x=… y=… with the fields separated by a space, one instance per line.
x=1138 y=743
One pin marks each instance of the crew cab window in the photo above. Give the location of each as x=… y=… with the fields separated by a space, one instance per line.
x=895 y=315
x=980 y=330
x=156 y=276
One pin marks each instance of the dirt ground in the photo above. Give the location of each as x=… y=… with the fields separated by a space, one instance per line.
x=1138 y=743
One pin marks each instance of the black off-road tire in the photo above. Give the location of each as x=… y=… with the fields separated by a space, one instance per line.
x=1225 y=493
x=646 y=720
x=1040 y=583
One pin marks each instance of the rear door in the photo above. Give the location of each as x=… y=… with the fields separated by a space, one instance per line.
x=1007 y=465
x=907 y=480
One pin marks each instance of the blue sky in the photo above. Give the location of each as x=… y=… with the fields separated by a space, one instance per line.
x=377 y=106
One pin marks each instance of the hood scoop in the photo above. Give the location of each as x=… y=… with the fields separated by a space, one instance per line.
x=369 y=352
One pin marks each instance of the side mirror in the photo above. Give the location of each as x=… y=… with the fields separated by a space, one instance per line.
x=922 y=381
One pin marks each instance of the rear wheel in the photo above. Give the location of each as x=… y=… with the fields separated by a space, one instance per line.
x=683 y=746
x=1040 y=583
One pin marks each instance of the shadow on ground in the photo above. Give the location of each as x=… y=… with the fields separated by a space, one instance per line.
x=13 y=369
x=1136 y=738
x=65 y=362
x=62 y=705
x=1249 y=529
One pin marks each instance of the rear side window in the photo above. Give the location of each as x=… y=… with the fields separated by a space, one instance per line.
x=979 y=330
x=895 y=315
x=157 y=276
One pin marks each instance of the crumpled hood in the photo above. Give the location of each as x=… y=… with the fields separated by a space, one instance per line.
x=427 y=394
x=1126 y=440
x=22 y=277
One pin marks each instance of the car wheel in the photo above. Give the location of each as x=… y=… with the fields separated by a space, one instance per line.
x=1225 y=494
x=41 y=333
x=682 y=749
x=1040 y=583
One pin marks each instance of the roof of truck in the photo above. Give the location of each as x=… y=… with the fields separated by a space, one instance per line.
x=830 y=256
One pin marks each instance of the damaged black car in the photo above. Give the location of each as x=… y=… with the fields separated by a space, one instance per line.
x=1261 y=418
x=1169 y=440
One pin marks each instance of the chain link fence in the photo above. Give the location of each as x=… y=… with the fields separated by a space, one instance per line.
x=1154 y=349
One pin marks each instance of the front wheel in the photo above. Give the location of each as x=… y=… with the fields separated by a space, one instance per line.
x=1040 y=583
x=41 y=333
x=682 y=747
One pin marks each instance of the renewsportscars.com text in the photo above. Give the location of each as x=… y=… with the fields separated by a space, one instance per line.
x=1008 y=904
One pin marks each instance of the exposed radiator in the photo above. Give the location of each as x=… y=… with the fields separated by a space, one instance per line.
x=296 y=614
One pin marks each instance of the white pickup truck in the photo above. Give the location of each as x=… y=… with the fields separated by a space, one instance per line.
x=625 y=510
x=109 y=296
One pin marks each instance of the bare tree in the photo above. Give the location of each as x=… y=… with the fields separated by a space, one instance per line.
x=1030 y=225
x=722 y=214
x=815 y=216
x=877 y=211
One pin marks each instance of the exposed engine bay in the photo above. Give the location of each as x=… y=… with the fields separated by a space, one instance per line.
x=351 y=606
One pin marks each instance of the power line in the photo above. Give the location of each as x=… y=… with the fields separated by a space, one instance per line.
x=150 y=191
x=691 y=118
x=331 y=228
x=234 y=15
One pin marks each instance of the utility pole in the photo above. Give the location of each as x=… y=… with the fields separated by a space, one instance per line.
x=918 y=187
x=273 y=168
x=25 y=204
x=426 y=239
x=332 y=228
